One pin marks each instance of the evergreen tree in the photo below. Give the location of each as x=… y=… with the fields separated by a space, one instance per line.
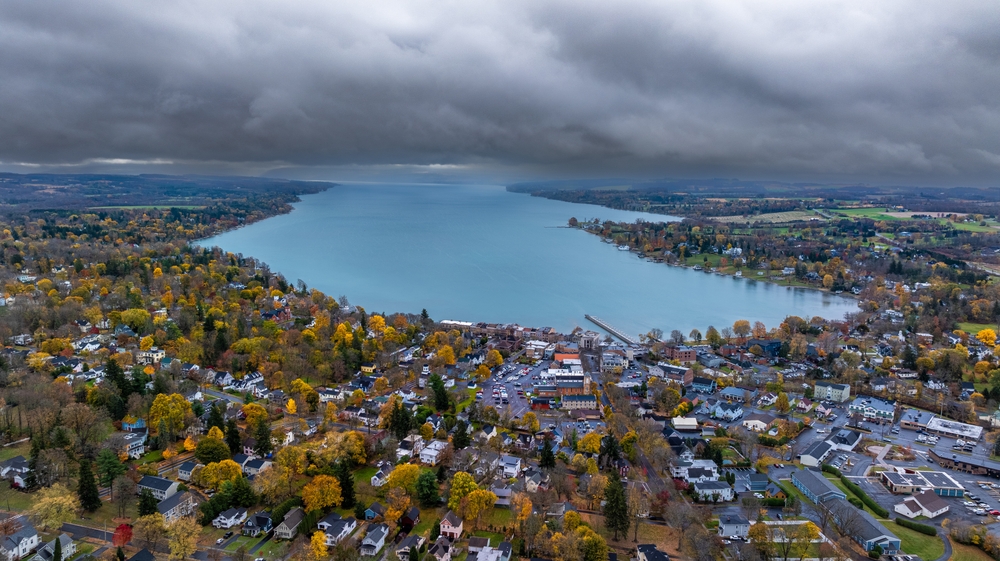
x=233 y=440
x=90 y=497
x=414 y=554
x=346 y=479
x=109 y=466
x=427 y=489
x=240 y=493
x=610 y=451
x=616 y=516
x=57 y=550
x=120 y=554
x=440 y=393
x=359 y=511
x=215 y=418
x=31 y=480
x=147 y=503
x=548 y=459
x=442 y=473
x=435 y=531
x=461 y=437
x=400 y=421
x=262 y=434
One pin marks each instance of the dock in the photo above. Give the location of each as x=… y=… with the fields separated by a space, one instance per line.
x=611 y=329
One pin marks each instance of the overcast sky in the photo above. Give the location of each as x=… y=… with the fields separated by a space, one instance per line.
x=884 y=92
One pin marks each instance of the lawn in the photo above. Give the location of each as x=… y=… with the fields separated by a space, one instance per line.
x=915 y=543
x=8 y=452
x=151 y=457
x=427 y=519
x=973 y=328
x=242 y=540
x=365 y=473
x=960 y=552
x=272 y=550
x=494 y=537
x=13 y=500
x=840 y=485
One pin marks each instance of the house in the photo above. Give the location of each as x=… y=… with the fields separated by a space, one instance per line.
x=703 y=385
x=727 y=411
x=756 y=482
x=374 y=511
x=374 y=539
x=432 y=452
x=503 y=493
x=862 y=527
x=488 y=431
x=815 y=487
x=253 y=467
x=511 y=465
x=13 y=467
x=815 y=454
x=736 y=393
x=185 y=469
x=410 y=447
x=409 y=542
x=21 y=542
x=242 y=460
x=758 y=422
x=410 y=519
x=923 y=504
x=832 y=392
x=714 y=490
x=259 y=523
x=47 y=551
x=533 y=481
x=803 y=405
x=733 y=525
x=142 y=555
x=229 y=518
x=290 y=525
x=451 y=526
x=135 y=444
x=441 y=550
x=160 y=488
x=845 y=440
x=176 y=506
x=478 y=544
x=336 y=528
x=648 y=552
x=381 y=476
x=774 y=492
x=680 y=374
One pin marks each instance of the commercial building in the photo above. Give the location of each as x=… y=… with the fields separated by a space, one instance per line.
x=873 y=409
x=954 y=429
x=833 y=392
x=911 y=481
x=814 y=486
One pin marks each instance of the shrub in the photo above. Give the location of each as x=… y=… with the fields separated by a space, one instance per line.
x=830 y=469
x=853 y=487
x=856 y=502
x=917 y=527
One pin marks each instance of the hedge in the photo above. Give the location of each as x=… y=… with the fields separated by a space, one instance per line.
x=773 y=501
x=876 y=508
x=917 y=527
x=856 y=502
x=830 y=469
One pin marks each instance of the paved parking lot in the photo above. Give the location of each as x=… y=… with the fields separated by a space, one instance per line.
x=517 y=405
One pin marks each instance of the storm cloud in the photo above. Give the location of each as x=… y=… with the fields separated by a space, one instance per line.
x=887 y=91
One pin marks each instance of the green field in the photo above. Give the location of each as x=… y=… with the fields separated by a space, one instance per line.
x=973 y=328
x=148 y=207
x=8 y=452
x=915 y=543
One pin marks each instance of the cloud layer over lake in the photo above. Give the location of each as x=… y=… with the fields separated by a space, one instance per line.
x=885 y=91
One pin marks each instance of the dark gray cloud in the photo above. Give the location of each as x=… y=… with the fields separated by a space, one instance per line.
x=845 y=90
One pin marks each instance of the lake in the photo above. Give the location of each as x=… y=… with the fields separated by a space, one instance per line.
x=480 y=253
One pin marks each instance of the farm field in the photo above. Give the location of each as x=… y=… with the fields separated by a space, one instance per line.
x=771 y=218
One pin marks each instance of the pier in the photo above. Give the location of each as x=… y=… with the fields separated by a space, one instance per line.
x=607 y=327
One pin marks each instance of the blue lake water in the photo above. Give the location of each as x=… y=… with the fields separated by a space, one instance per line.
x=480 y=253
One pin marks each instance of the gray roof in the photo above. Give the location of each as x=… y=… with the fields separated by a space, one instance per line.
x=26 y=531
x=154 y=482
x=816 y=483
x=818 y=450
x=293 y=518
x=452 y=518
x=845 y=436
x=712 y=485
x=376 y=533
x=732 y=519
x=651 y=553
x=867 y=527
x=169 y=503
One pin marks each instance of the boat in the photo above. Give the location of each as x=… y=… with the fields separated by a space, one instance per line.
x=623 y=248
x=739 y=274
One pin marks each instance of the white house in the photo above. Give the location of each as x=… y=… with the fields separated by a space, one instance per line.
x=728 y=411
x=160 y=487
x=336 y=528
x=922 y=504
x=229 y=518
x=758 y=422
x=733 y=525
x=374 y=539
x=21 y=542
x=710 y=490
x=47 y=551
x=381 y=476
x=430 y=454
x=511 y=465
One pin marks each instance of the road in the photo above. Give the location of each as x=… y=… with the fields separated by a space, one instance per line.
x=223 y=395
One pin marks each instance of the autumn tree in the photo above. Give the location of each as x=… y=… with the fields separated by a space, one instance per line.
x=169 y=412
x=317 y=546
x=122 y=535
x=493 y=359
x=590 y=443
x=291 y=407
x=741 y=328
x=530 y=422
x=182 y=536
x=397 y=503
x=781 y=405
x=461 y=485
x=321 y=493
x=405 y=476
x=254 y=414
x=479 y=505
x=149 y=530
x=52 y=506
x=211 y=450
x=217 y=473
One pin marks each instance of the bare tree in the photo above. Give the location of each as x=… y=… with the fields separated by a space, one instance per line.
x=751 y=508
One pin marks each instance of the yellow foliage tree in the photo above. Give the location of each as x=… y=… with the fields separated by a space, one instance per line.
x=381 y=384
x=321 y=493
x=54 y=505
x=317 y=546
x=479 y=504
x=172 y=409
x=215 y=432
x=146 y=343
x=987 y=337
x=530 y=422
x=461 y=485
x=216 y=473
x=397 y=502
x=291 y=406
x=182 y=535
x=404 y=476
x=190 y=444
x=591 y=442
x=254 y=413
x=427 y=431
x=493 y=359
